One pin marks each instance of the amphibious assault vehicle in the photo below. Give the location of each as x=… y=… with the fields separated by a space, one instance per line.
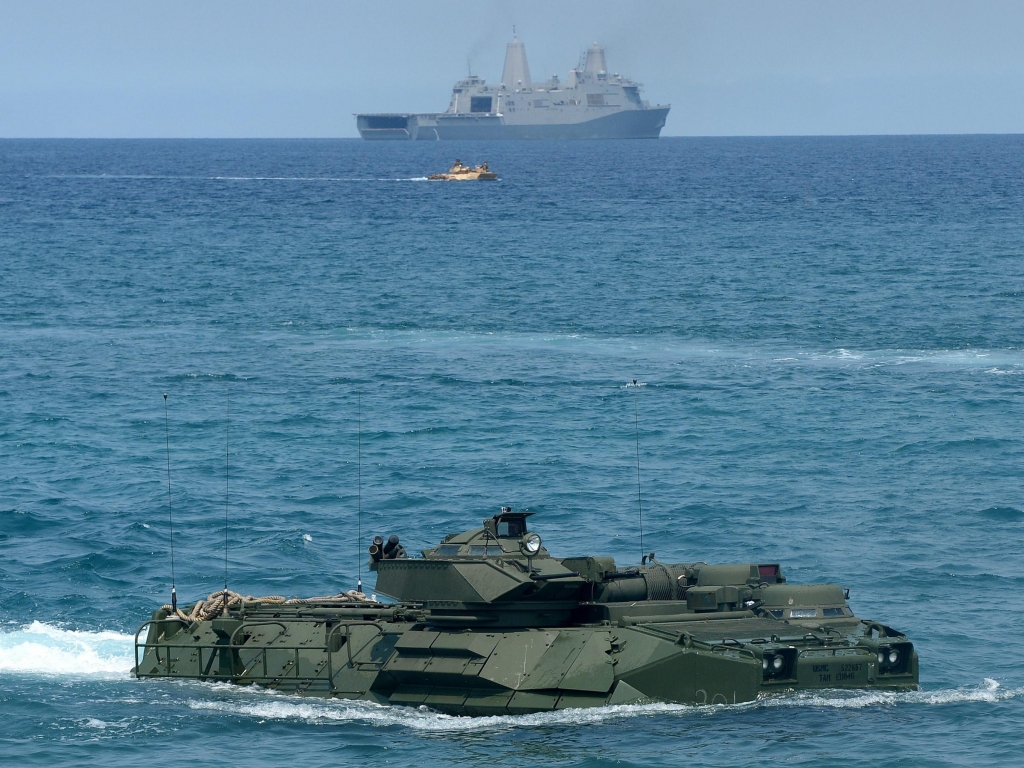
x=460 y=172
x=489 y=622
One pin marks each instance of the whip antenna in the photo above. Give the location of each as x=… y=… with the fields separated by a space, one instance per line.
x=227 y=464
x=639 y=503
x=170 y=516
x=359 y=491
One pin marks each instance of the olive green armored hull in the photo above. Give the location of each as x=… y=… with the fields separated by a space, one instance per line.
x=492 y=624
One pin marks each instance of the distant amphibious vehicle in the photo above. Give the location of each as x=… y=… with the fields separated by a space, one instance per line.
x=592 y=104
x=488 y=622
x=460 y=172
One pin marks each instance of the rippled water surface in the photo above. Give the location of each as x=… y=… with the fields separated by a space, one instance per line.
x=829 y=330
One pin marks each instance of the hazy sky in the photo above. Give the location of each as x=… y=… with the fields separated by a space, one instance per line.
x=297 y=69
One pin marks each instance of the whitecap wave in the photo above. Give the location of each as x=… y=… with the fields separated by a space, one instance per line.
x=42 y=649
x=987 y=360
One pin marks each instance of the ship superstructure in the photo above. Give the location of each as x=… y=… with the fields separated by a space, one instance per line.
x=591 y=104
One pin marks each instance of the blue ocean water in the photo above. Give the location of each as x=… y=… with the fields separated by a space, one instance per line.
x=830 y=334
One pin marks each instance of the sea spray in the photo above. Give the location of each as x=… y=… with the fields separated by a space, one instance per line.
x=43 y=649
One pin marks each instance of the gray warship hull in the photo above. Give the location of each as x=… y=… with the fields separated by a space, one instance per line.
x=634 y=124
x=591 y=104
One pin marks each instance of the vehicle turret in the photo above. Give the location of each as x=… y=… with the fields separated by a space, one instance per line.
x=501 y=573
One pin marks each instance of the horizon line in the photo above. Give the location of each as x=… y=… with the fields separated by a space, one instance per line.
x=525 y=141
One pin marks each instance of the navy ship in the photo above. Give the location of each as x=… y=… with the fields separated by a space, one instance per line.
x=591 y=104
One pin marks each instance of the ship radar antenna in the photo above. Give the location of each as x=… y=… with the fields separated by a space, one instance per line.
x=635 y=386
x=170 y=515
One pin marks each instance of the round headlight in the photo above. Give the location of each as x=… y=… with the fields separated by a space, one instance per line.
x=764 y=662
x=777 y=663
x=894 y=656
x=530 y=546
x=881 y=658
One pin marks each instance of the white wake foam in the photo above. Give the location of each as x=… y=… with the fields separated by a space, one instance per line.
x=42 y=649
x=270 y=705
x=988 y=691
x=422 y=719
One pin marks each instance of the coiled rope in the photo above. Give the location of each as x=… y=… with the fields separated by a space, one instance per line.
x=213 y=605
